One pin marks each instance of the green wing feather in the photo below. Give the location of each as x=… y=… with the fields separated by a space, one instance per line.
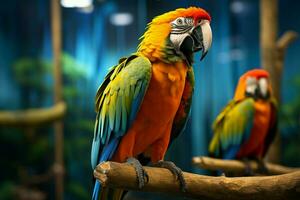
x=118 y=100
x=232 y=127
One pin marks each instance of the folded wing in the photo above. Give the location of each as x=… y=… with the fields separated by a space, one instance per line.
x=117 y=102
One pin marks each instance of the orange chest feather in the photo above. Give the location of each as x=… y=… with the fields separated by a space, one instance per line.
x=155 y=117
x=165 y=91
x=261 y=119
x=262 y=116
x=150 y=131
x=168 y=78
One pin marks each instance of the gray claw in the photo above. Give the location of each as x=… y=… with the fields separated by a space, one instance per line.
x=140 y=172
x=248 y=169
x=175 y=170
x=262 y=168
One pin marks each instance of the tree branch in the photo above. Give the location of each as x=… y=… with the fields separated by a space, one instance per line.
x=117 y=175
x=27 y=179
x=32 y=117
x=282 y=44
x=238 y=166
x=25 y=193
x=287 y=38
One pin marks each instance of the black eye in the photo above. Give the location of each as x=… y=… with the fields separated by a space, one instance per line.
x=179 y=21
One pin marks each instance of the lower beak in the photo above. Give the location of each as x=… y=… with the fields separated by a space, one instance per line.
x=202 y=37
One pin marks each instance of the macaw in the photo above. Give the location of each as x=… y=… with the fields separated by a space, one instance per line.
x=144 y=102
x=247 y=125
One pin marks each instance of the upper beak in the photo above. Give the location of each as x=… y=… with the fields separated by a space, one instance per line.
x=263 y=86
x=202 y=36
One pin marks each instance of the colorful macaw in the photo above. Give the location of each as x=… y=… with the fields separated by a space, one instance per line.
x=247 y=125
x=144 y=101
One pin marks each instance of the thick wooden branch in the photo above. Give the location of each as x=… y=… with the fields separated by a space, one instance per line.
x=117 y=175
x=238 y=166
x=33 y=117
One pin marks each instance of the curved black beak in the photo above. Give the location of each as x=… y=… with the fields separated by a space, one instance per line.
x=202 y=37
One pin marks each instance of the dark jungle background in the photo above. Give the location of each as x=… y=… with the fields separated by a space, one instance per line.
x=93 y=39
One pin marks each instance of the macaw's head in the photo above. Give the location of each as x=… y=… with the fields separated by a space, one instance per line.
x=177 y=35
x=254 y=83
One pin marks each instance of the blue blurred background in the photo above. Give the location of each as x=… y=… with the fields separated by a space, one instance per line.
x=94 y=38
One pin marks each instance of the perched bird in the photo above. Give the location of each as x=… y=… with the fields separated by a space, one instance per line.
x=144 y=101
x=247 y=125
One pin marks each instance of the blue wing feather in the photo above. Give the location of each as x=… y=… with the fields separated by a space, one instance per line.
x=231 y=152
x=107 y=153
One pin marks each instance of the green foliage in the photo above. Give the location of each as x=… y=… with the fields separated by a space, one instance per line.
x=86 y=125
x=290 y=112
x=290 y=127
x=6 y=190
x=78 y=190
x=291 y=150
x=70 y=92
x=38 y=149
x=71 y=69
x=12 y=136
x=34 y=77
x=31 y=72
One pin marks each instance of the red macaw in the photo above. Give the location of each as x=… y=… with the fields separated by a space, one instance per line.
x=247 y=125
x=145 y=100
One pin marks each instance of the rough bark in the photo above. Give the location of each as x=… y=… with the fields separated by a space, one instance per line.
x=117 y=175
x=239 y=166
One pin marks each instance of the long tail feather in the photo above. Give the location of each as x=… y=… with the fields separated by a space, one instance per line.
x=96 y=190
x=106 y=155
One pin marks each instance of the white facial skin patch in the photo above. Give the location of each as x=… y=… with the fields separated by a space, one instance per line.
x=263 y=86
x=251 y=85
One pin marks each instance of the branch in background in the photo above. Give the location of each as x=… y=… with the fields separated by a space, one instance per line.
x=117 y=175
x=287 y=38
x=24 y=193
x=282 y=44
x=238 y=166
x=27 y=179
x=33 y=117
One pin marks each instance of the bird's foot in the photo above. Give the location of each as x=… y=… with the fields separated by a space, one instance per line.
x=248 y=170
x=142 y=176
x=175 y=170
x=262 y=169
